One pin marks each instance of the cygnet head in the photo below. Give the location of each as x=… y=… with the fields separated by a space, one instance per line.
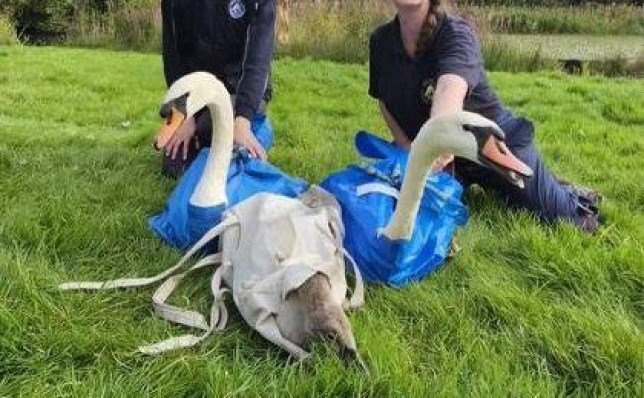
x=325 y=319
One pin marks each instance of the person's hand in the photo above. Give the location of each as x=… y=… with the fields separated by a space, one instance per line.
x=181 y=139
x=441 y=162
x=244 y=137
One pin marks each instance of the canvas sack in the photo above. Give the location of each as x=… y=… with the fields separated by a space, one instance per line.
x=269 y=246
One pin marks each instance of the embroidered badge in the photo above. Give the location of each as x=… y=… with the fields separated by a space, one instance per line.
x=427 y=90
x=236 y=9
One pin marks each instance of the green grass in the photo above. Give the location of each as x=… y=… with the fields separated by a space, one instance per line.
x=525 y=310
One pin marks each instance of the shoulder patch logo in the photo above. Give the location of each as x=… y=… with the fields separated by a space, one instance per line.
x=236 y=9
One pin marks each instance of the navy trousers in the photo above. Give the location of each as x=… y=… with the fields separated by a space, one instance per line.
x=543 y=194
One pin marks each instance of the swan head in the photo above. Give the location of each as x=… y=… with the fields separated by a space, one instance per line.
x=476 y=138
x=185 y=97
x=463 y=134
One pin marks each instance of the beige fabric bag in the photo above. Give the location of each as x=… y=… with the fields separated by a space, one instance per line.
x=270 y=245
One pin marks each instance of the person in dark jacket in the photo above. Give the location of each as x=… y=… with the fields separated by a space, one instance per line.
x=426 y=63
x=232 y=39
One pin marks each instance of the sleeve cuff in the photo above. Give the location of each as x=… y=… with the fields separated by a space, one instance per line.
x=470 y=75
x=245 y=111
x=202 y=119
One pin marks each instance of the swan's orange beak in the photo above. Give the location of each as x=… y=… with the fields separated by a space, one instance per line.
x=499 y=158
x=172 y=122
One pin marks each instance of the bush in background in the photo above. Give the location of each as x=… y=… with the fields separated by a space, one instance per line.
x=617 y=66
x=336 y=30
x=333 y=32
x=500 y=57
x=7 y=31
x=340 y=31
x=636 y=68
x=613 y=19
x=133 y=25
x=549 y=3
x=38 y=21
x=131 y=22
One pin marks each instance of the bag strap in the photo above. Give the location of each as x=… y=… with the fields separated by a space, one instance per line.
x=218 y=318
x=377 y=187
x=176 y=314
x=357 y=297
x=140 y=282
x=218 y=311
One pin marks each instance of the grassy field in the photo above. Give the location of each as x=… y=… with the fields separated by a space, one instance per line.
x=525 y=310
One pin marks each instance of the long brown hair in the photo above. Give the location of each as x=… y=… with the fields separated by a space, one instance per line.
x=436 y=12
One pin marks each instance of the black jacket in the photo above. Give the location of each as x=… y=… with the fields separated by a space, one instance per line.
x=233 y=39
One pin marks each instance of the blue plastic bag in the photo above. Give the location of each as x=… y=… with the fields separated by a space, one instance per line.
x=181 y=224
x=367 y=195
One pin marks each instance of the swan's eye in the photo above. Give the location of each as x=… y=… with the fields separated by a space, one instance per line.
x=166 y=111
x=498 y=134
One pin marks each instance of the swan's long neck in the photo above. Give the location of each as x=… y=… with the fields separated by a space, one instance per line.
x=440 y=135
x=211 y=189
x=421 y=157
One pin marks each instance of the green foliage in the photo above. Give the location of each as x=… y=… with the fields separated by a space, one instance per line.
x=342 y=33
x=337 y=31
x=39 y=20
x=500 y=57
x=609 y=56
x=7 y=31
x=339 y=34
x=548 y=3
x=613 y=20
x=137 y=28
x=51 y=21
x=131 y=26
x=344 y=37
x=526 y=309
x=134 y=23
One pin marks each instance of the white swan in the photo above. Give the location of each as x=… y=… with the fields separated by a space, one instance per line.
x=463 y=134
x=185 y=97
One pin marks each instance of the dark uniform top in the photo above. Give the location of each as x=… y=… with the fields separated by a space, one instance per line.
x=402 y=82
x=232 y=39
